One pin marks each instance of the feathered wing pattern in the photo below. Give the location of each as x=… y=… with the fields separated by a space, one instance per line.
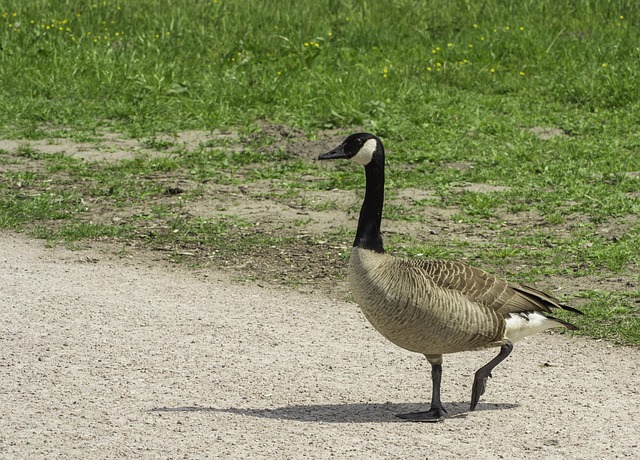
x=490 y=291
x=543 y=297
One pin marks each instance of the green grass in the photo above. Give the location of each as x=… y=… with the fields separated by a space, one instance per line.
x=77 y=231
x=613 y=316
x=160 y=65
x=444 y=83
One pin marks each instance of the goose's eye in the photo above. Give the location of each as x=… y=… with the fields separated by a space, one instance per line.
x=359 y=142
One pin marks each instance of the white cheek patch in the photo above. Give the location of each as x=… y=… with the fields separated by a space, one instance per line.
x=365 y=154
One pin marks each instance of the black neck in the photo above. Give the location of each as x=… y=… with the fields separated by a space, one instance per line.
x=368 y=233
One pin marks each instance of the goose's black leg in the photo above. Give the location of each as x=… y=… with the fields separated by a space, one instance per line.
x=437 y=412
x=480 y=379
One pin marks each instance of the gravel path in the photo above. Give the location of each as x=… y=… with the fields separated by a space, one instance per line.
x=105 y=357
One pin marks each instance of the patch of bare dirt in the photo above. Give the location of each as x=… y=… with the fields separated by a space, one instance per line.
x=193 y=140
x=546 y=133
x=481 y=188
x=111 y=147
x=459 y=166
x=301 y=219
x=413 y=195
x=296 y=142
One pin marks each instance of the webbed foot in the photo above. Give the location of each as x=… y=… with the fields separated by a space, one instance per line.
x=479 y=386
x=435 y=414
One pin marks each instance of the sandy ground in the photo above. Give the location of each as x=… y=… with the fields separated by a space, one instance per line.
x=105 y=357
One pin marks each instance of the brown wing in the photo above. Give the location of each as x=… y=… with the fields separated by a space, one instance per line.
x=486 y=289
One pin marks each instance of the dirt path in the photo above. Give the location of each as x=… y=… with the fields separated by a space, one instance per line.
x=102 y=357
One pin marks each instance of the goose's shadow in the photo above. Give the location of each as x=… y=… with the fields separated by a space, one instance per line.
x=340 y=413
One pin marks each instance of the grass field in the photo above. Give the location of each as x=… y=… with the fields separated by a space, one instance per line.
x=537 y=101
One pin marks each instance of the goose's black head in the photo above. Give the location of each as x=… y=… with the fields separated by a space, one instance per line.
x=363 y=148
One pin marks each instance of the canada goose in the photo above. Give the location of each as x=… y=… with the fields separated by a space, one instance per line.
x=434 y=307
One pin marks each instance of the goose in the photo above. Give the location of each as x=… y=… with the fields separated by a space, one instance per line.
x=434 y=307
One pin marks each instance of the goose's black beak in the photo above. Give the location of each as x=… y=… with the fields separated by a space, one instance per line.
x=338 y=152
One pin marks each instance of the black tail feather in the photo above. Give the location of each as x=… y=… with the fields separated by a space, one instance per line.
x=550 y=301
x=571 y=327
x=571 y=309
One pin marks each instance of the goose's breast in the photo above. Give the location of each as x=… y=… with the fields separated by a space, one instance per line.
x=407 y=308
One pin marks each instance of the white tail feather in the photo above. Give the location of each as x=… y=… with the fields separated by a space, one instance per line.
x=522 y=325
